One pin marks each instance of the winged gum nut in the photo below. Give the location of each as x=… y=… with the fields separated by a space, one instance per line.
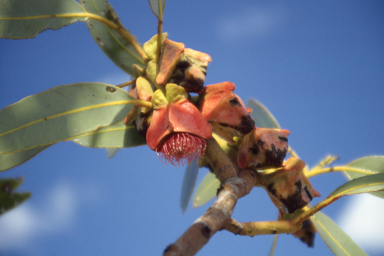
x=150 y=47
x=308 y=230
x=307 y=233
x=170 y=57
x=225 y=111
x=178 y=130
x=203 y=57
x=185 y=67
x=263 y=148
x=288 y=187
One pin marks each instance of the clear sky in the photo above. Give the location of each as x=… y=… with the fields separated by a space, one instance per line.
x=319 y=68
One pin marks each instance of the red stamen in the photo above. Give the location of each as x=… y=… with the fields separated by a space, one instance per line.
x=182 y=148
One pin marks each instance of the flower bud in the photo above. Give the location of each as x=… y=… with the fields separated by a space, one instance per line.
x=225 y=111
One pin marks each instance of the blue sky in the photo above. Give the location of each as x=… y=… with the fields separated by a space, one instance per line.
x=319 y=68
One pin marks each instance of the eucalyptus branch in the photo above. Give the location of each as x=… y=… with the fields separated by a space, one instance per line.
x=262 y=228
x=232 y=188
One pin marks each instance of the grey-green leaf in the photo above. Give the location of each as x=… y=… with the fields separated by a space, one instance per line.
x=335 y=238
x=157 y=7
x=206 y=190
x=114 y=136
x=366 y=166
x=364 y=184
x=262 y=116
x=61 y=113
x=25 y=19
x=8 y=198
x=9 y=161
x=189 y=182
x=110 y=42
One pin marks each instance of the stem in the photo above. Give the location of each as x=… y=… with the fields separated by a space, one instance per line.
x=219 y=161
x=159 y=34
x=315 y=171
x=292 y=152
x=142 y=103
x=305 y=215
x=262 y=228
x=126 y=83
x=220 y=213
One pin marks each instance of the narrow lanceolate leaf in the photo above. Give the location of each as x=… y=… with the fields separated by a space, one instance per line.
x=365 y=184
x=8 y=198
x=262 y=116
x=25 y=19
x=335 y=238
x=365 y=166
x=61 y=113
x=189 y=182
x=114 y=136
x=9 y=161
x=206 y=190
x=110 y=42
x=157 y=7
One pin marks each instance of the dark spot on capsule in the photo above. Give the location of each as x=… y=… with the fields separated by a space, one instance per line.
x=254 y=150
x=206 y=231
x=235 y=102
x=98 y=39
x=193 y=85
x=308 y=193
x=274 y=157
x=247 y=124
x=45 y=118
x=294 y=201
x=298 y=185
x=260 y=143
x=93 y=95
x=271 y=189
x=169 y=247
x=283 y=138
x=308 y=232
x=274 y=232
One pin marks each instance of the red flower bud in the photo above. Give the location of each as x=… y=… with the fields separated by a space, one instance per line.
x=225 y=111
x=288 y=188
x=263 y=148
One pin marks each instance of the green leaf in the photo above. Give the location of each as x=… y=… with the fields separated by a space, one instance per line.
x=8 y=198
x=365 y=166
x=262 y=116
x=335 y=238
x=25 y=19
x=111 y=152
x=110 y=42
x=61 y=113
x=364 y=184
x=9 y=161
x=114 y=136
x=206 y=190
x=157 y=7
x=189 y=182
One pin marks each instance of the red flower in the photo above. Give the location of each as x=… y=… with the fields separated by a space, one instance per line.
x=178 y=130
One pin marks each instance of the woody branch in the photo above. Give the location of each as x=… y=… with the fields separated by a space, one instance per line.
x=233 y=187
